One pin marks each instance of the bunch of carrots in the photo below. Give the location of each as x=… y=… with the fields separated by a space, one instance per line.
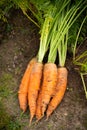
x=43 y=85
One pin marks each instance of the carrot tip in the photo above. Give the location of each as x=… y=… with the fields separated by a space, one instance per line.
x=33 y=123
x=30 y=119
x=39 y=119
x=47 y=119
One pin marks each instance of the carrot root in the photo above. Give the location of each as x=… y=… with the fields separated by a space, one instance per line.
x=48 y=85
x=59 y=91
x=34 y=86
x=38 y=108
x=23 y=88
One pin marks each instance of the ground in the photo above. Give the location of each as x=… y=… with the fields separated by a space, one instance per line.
x=17 y=47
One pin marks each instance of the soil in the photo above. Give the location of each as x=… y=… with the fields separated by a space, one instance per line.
x=17 y=47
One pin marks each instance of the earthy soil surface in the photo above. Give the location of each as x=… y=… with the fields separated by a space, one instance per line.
x=16 y=49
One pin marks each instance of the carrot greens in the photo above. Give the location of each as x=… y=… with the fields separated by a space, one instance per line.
x=60 y=30
x=81 y=62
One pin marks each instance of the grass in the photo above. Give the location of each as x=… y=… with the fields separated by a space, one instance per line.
x=84 y=121
x=6 y=121
x=5 y=82
x=75 y=44
x=6 y=91
x=50 y=126
x=81 y=62
x=84 y=84
x=4 y=117
x=14 y=125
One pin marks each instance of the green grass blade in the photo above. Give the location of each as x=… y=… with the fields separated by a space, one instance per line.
x=84 y=85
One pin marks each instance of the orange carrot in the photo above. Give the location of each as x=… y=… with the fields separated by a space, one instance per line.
x=59 y=90
x=34 y=86
x=38 y=108
x=23 y=89
x=48 y=85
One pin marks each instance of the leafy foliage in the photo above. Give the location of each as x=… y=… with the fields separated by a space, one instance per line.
x=81 y=61
x=81 y=21
x=66 y=15
x=5 y=6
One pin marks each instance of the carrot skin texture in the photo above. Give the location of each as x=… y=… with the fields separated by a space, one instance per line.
x=34 y=86
x=48 y=85
x=38 y=108
x=23 y=88
x=59 y=90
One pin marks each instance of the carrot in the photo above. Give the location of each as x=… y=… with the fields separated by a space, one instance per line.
x=23 y=88
x=59 y=90
x=48 y=85
x=34 y=86
x=38 y=108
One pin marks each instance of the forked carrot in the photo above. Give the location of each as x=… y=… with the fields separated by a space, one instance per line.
x=48 y=85
x=34 y=86
x=59 y=90
x=23 y=88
